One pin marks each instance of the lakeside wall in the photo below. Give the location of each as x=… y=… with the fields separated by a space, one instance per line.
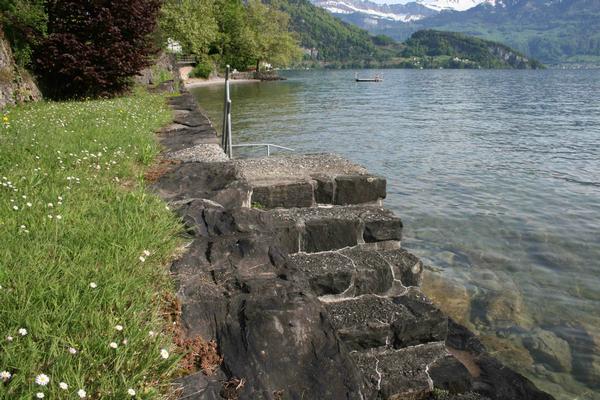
x=305 y=301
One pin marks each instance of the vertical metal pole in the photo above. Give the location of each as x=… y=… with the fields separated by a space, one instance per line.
x=225 y=112
x=229 y=146
x=268 y=150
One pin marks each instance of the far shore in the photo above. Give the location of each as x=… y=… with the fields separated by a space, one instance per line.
x=196 y=82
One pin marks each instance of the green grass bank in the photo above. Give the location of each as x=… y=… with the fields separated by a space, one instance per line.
x=84 y=251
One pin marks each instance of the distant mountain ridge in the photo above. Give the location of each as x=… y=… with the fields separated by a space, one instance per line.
x=551 y=30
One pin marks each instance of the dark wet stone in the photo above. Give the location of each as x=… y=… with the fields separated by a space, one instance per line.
x=358 y=189
x=327 y=273
x=199 y=387
x=399 y=374
x=285 y=194
x=182 y=138
x=407 y=267
x=277 y=338
x=447 y=373
x=429 y=323
x=215 y=181
x=373 y=321
x=324 y=189
x=191 y=119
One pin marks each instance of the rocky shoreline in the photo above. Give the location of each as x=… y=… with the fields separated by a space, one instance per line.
x=296 y=272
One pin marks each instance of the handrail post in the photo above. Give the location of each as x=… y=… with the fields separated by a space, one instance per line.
x=226 y=111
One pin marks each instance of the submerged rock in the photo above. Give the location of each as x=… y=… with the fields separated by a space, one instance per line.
x=547 y=348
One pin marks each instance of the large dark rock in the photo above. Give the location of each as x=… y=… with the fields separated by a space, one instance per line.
x=283 y=194
x=399 y=374
x=216 y=181
x=373 y=321
x=199 y=387
x=277 y=338
x=447 y=373
x=358 y=189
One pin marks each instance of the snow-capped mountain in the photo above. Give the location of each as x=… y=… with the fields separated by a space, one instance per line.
x=412 y=11
x=390 y=12
x=453 y=5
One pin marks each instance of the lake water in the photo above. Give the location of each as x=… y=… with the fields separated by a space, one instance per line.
x=496 y=175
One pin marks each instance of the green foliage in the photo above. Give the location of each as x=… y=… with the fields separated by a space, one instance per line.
x=190 y=22
x=334 y=39
x=231 y=31
x=202 y=70
x=235 y=43
x=24 y=24
x=74 y=210
x=434 y=49
x=269 y=26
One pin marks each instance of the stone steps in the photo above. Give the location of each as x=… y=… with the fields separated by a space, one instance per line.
x=309 y=180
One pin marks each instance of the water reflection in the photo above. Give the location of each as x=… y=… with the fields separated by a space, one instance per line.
x=497 y=177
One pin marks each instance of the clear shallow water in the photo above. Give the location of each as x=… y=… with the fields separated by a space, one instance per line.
x=496 y=175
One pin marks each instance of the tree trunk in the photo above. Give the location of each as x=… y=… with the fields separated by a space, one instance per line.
x=257 y=66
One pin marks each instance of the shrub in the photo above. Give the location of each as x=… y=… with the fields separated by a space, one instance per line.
x=93 y=48
x=202 y=70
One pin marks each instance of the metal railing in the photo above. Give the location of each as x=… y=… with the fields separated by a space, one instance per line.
x=267 y=145
x=226 y=133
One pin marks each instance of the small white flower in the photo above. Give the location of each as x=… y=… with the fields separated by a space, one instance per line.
x=131 y=392
x=50 y=216
x=72 y=350
x=164 y=354
x=29 y=204
x=81 y=393
x=142 y=258
x=125 y=341
x=59 y=217
x=113 y=345
x=39 y=395
x=50 y=205
x=15 y=208
x=9 y=338
x=22 y=331
x=63 y=386
x=146 y=253
x=93 y=285
x=119 y=327
x=42 y=379
x=151 y=334
x=60 y=198
x=5 y=376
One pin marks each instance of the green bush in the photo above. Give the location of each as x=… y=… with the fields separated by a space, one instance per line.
x=202 y=70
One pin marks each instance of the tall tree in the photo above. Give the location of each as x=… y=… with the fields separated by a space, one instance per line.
x=93 y=48
x=235 y=40
x=273 y=41
x=192 y=23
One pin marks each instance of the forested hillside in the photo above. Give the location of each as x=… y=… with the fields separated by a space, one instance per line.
x=335 y=40
x=454 y=50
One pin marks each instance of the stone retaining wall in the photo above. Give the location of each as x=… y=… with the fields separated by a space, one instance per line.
x=309 y=294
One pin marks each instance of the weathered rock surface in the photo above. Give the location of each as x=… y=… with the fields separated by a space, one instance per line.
x=16 y=85
x=308 y=302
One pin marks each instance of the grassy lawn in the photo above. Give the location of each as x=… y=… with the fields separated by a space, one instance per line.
x=83 y=252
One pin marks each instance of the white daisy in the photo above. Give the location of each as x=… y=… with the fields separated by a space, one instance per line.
x=5 y=376
x=9 y=338
x=113 y=345
x=142 y=258
x=39 y=395
x=146 y=253
x=72 y=350
x=42 y=379
x=81 y=393
x=63 y=386
x=131 y=392
x=119 y=327
x=22 y=331
x=164 y=354
x=93 y=285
